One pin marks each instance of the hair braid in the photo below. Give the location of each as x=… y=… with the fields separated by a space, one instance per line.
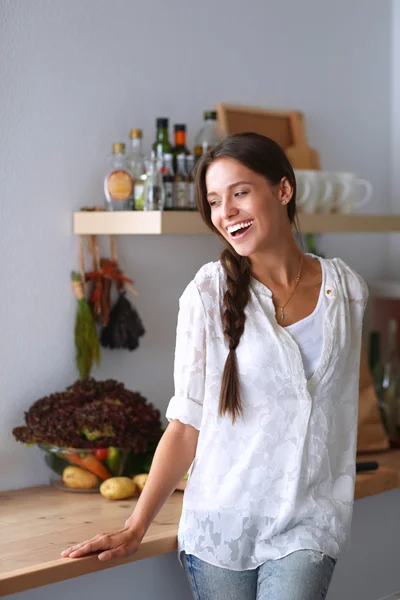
x=237 y=269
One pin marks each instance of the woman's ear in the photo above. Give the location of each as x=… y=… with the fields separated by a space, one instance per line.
x=285 y=190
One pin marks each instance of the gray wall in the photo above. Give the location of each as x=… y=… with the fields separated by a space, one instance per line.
x=394 y=242
x=76 y=76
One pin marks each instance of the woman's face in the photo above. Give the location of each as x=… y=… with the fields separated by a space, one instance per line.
x=245 y=208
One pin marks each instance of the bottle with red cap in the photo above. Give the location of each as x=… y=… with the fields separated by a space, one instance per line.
x=180 y=143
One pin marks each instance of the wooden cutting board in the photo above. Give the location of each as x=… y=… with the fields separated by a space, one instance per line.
x=285 y=127
x=303 y=157
x=300 y=154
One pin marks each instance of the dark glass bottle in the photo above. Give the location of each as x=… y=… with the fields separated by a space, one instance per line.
x=386 y=375
x=162 y=144
x=376 y=368
x=169 y=181
x=374 y=354
x=181 y=184
x=180 y=143
x=191 y=185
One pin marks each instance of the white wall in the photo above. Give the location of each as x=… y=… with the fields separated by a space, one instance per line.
x=76 y=76
x=394 y=244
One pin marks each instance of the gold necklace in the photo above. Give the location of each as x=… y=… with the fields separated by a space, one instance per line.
x=282 y=315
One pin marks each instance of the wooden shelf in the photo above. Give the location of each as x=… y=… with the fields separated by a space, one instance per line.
x=353 y=223
x=180 y=222
x=138 y=223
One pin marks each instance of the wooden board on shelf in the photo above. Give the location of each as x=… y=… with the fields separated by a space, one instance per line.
x=352 y=223
x=180 y=222
x=300 y=154
x=138 y=223
x=285 y=127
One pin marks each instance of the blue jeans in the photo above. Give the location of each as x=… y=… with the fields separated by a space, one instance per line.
x=302 y=575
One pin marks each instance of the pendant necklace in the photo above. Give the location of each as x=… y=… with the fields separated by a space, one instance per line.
x=282 y=315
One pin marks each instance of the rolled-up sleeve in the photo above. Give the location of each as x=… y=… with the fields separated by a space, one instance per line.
x=190 y=358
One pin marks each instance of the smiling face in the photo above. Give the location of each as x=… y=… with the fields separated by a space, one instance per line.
x=246 y=208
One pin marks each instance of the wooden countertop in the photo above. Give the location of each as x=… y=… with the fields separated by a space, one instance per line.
x=37 y=523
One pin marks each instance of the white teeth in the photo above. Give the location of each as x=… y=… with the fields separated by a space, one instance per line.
x=233 y=228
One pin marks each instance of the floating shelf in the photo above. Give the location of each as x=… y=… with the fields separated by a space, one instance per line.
x=180 y=222
x=138 y=223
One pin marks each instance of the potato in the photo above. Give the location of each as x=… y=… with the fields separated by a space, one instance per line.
x=140 y=480
x=75 y=477
x=117 y=488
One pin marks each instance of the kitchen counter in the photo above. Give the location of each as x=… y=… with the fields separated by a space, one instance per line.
x=37 y=523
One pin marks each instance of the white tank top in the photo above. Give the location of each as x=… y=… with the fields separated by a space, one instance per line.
x=308 y=333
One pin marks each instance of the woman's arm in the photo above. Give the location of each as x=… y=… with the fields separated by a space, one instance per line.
x=177 y=447
x=172 y=459
x=174 y=455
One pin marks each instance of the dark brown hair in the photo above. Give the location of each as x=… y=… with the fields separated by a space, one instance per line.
x=264 y=156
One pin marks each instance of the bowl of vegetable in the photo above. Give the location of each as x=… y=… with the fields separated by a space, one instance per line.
x=91 y=431
x=84 y=469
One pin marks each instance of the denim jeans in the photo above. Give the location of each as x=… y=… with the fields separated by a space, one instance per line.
x=302 y=575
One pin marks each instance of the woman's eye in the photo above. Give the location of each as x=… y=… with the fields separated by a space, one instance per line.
x=239 y=194
x=213 y=202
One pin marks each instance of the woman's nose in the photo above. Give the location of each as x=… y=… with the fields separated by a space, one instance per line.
x=228 y=209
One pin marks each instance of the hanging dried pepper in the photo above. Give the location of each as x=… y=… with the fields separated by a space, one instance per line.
x=100 y=298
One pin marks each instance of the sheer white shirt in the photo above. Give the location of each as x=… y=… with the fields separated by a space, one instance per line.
x=282 y=477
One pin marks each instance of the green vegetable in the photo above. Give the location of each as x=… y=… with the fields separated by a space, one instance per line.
x=86 y=339
x=113 y=460
x=55 y=463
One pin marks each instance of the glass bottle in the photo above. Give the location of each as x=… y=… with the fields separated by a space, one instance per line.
x=388 y=379
x=181 y=184
x=154 y=192
x=180 y=142
x=376 y=369
x=118 y=182
x=136 y=166
x=191 y=186
x=374 y=353
x=162 y=144
x=209 y=135
x=169 y=181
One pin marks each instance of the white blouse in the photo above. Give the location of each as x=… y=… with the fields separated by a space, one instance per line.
x=282 y=477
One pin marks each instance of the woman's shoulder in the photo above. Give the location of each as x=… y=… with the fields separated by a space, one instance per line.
x=206 y=282
x=210 y=271
x=351 y=282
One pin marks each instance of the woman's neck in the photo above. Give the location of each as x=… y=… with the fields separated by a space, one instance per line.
x=277 y=266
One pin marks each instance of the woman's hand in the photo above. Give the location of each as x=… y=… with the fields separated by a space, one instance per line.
x=123 y=542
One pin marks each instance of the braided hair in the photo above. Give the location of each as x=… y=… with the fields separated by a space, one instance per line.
x=265 y=157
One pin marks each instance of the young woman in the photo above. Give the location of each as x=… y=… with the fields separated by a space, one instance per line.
x=266 y=396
